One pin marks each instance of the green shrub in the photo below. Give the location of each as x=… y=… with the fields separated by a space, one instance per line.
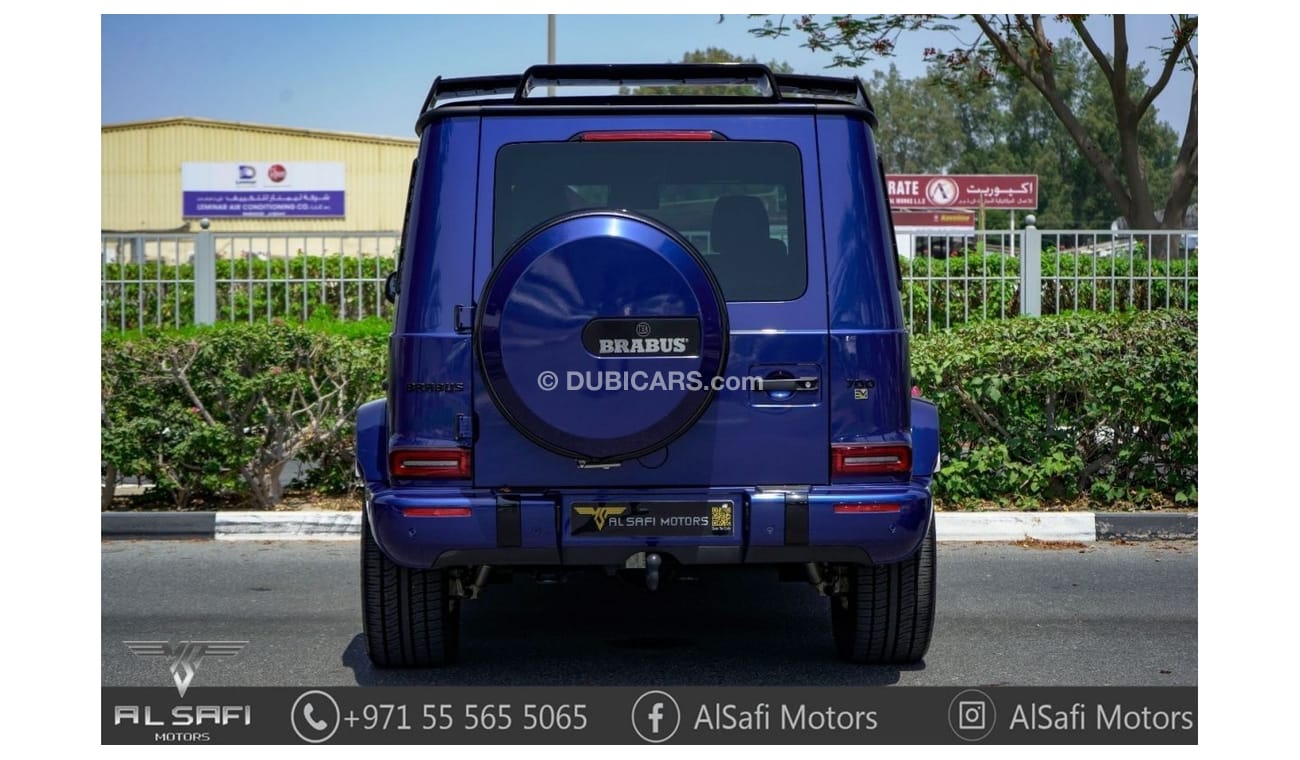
x=1099 y=407
x=1095 y=406
x=220 y=411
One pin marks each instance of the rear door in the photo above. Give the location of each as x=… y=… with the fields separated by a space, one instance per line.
x=591 y=240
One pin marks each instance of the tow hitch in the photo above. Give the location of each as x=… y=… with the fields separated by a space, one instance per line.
x=652 y=564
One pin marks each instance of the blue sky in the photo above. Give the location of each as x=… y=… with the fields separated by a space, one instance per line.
x=370 y=73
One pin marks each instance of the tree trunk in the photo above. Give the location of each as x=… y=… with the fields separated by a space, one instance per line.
x=1184 y=178
x=274 y=488
x=264 y=482
x=109 y=488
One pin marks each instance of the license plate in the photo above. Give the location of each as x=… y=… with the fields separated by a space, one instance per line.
x=651 y=518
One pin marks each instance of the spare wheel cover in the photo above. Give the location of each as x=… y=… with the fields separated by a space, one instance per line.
x=598 y=335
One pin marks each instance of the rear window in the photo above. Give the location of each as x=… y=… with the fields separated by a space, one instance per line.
x=739 y=203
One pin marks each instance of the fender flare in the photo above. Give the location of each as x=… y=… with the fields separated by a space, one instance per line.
x=371 y=442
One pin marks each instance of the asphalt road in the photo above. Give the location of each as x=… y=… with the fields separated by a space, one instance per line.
x=1007 y=615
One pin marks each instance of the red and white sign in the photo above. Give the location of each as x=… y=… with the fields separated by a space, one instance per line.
x=955 y=219
x=962 y=191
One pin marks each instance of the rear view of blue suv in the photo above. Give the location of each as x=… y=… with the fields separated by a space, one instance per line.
x=644 y=333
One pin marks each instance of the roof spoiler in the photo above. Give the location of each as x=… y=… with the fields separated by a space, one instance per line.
x=768 y=86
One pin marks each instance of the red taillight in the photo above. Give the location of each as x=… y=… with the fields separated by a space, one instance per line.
x=436 y=512
x=866 y=509
x=870 y=458
x=429 y=463
x=658 y=134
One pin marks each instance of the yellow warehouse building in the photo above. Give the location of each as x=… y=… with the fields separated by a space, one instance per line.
x=141 y=187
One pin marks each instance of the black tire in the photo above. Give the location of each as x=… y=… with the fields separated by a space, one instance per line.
x=408 y=618
x=887 y=615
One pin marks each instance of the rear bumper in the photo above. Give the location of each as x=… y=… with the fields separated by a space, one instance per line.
x=478 y=527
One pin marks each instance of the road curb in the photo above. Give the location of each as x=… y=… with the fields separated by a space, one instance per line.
x=1016 y=526
x=1141 y=526
x=235 y=526
x=951 y=526
x=157 y=524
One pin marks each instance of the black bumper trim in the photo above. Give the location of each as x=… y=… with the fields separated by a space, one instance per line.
x=796 y=519
x=510 y=533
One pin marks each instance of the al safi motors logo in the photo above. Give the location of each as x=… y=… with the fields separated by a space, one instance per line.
x=247 y=174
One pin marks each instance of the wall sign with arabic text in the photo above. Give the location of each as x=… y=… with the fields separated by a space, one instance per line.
x=970 y=191
x=288 y=189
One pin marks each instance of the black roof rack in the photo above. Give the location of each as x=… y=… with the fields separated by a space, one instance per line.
x=768 y=87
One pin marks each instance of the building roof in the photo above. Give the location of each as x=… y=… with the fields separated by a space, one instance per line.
x=249 y=127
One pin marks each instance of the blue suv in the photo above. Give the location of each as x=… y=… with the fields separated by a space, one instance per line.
x=645 y=330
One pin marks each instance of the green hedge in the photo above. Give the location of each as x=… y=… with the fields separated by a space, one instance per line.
x=139 y=296
x=989 y=287
x=1098 y=407
x=219 y=412
x=1072 y=408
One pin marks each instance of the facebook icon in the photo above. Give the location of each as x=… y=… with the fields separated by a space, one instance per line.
x=656 y=717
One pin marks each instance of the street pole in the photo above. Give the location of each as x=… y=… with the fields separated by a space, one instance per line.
x=550 y=48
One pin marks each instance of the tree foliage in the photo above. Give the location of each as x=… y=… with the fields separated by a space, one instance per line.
x=708 y=55
x=1006 y=127
x=920 y=126
x=1104 y=123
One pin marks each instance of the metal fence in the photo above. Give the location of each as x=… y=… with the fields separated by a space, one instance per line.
x=1117 y=270
x=146 y=280
x=174 y=280
x=151 y=280
x=949 y=280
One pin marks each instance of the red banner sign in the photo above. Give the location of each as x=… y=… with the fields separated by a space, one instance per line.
x=951 y=218
x=963 y=191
